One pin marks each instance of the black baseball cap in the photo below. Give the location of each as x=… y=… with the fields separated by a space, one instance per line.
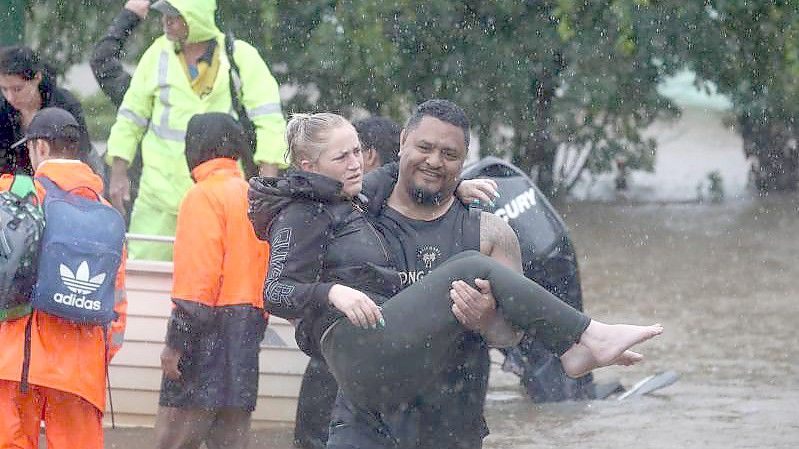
x=165 y=8
x=51 y=124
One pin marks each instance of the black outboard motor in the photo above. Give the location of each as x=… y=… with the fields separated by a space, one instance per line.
x=548 y=258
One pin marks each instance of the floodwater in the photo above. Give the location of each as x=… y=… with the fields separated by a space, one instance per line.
x=722 y=278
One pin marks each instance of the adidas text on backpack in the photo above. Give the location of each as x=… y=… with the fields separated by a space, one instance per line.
x=21 y=223
x=81 y=251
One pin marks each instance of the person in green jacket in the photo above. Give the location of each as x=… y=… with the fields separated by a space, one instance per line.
x=185 y=72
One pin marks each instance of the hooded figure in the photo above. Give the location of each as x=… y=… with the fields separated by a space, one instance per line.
x=210 y=360
x=184 y=72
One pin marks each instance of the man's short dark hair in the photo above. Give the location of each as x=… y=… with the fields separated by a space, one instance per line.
x=444 y=110
x=66 y=148
x=213 y=135
x=381 y=134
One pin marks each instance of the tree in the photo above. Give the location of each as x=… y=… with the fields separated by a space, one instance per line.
x=12 y=22
x=571 y=76
x=750 y=51
x=556 y=74
x=339 y=55
x=65 y=30
x=538 y=78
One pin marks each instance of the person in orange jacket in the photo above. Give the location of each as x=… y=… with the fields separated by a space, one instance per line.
x=210 y=362
x=68 y=361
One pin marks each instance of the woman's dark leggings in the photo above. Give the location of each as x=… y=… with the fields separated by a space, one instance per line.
x=379 y=367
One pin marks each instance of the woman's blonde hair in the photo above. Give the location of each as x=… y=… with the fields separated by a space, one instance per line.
x=306 y=135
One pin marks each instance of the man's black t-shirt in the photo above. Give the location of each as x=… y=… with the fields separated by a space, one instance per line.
x=451 y=413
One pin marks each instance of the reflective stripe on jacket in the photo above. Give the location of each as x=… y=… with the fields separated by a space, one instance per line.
x=64 y=355
x=160 y=102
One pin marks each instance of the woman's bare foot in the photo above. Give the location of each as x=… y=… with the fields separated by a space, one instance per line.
x=606 y=344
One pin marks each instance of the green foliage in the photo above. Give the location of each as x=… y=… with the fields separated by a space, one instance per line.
x=340 y=56
x=245 y=19
x=12 y=21
x=100 y=114
x=65 y=31
x=556 y=73
x=750 y=51
x=534 y=76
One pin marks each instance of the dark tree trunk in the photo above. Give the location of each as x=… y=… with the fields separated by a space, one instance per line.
x=776 y=171
x=536 y=147
x=773 y=144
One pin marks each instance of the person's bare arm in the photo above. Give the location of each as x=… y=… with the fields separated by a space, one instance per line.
x=498 y=241
x=476 y=309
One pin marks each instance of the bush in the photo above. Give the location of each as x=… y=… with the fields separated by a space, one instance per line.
x=100 y=114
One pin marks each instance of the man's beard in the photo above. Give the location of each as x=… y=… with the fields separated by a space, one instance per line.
x=428 y=198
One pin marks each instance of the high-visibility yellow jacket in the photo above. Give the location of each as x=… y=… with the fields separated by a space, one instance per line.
x=160 y=101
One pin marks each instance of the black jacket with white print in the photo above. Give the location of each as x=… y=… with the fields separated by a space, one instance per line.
x=318 y=238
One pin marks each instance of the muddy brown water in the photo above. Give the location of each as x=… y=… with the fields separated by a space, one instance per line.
x=722 y=278
x=723 y=281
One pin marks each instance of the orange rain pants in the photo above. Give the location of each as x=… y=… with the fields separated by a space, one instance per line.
x=70 y=421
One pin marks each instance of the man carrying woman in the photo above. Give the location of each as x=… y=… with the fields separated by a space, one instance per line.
x=384 y=345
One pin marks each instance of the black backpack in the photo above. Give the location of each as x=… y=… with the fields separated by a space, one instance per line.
x=21 y=226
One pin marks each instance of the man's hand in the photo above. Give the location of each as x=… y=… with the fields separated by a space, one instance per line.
x=169 y=362
x=479 y=190
x=139 y=7
x=267 y=170
x=472 y=307
x=476 y=309
x=119 y=185
x=359 y=308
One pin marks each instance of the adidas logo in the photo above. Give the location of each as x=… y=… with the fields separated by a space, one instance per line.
x=79 y=282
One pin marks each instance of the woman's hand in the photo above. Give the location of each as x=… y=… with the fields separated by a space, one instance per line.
x=483 y=191
x=359 y=308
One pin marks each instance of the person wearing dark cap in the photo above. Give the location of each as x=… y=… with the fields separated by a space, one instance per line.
x=185 y=72
x=210 y=362
x=67 y=360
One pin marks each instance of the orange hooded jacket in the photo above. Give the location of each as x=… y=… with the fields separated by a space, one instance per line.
x=217 y=319
x=218 y=259
x=65 y=356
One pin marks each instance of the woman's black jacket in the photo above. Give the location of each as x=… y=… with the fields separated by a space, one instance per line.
x=18 y=160
x=318 y=238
